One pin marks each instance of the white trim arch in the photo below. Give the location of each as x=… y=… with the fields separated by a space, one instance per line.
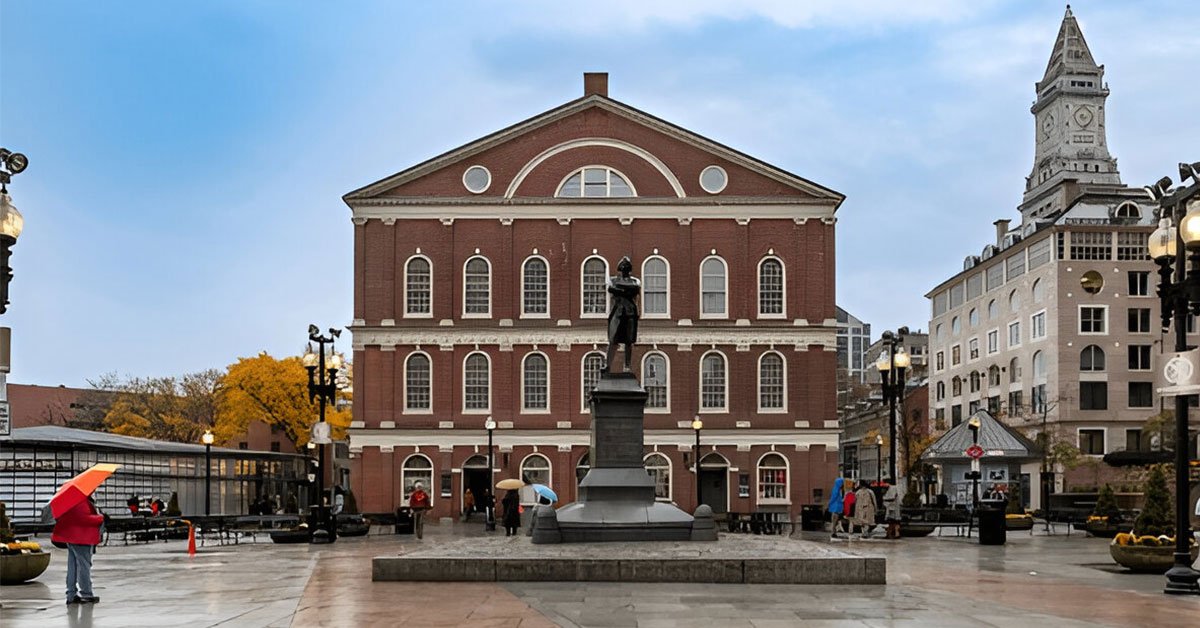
x=595 y=141
x=609 y=171
x=724 y=408
x=773 y=498
x=669 y=466
x=429 y=312
x=724 y=314
x=527 y=494
x=488 y=361
x=667 y=263
x=490 y=276
x=429 y=386
x=546 y=262
x=524 y=408
x=784 y=383
x=603 y=313
x=782 y=286
x=583 y=373
x=422 y=474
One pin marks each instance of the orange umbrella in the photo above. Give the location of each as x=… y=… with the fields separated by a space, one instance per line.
x=79 y=487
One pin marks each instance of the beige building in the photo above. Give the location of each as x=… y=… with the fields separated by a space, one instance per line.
x=1055 y=322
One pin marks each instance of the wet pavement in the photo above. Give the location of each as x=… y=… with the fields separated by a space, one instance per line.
x=1032 y=581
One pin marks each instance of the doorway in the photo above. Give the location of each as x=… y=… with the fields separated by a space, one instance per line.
x=714 y=483
x=475 y=478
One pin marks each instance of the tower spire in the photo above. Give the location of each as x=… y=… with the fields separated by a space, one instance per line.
x=1070 y=52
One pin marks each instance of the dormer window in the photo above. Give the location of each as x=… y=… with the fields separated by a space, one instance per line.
x=1129 y=211
x=596 y=182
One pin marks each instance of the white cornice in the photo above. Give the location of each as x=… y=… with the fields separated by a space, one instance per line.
x=798 y=338
x=404 y=209
x=801 y=439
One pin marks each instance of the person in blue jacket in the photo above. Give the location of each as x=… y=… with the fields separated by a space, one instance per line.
x=835 y=507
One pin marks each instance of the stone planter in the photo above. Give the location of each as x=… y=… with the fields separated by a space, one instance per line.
x=18 y=568
x=1146 y=559
x=1104 y=529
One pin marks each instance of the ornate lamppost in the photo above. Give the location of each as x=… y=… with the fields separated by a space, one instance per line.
x=322 y=387
x=893 y=364
x=697 y=425
x=1175 y=243
x=207 y=439
x=11 y=221
x=974 y=424
x=490 y=426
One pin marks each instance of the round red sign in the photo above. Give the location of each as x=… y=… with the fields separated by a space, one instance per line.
x=974 y=451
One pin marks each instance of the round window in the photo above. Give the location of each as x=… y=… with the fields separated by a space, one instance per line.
x=477 y=179
x=713 y=179
x=1091 y=282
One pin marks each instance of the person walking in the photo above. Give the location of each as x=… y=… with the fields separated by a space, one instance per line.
x=418 y=501
x=891 y=510
x=79 y=529
x=864 y=509
x=512 y=512
x=468 y=505
x=836 y=507
x=848 y=507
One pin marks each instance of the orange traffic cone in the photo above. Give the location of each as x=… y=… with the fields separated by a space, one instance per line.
x=191 y=539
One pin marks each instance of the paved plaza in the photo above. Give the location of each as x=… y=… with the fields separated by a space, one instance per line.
x=1033 y=581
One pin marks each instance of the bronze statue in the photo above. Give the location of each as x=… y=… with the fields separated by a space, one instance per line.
x=623 y=317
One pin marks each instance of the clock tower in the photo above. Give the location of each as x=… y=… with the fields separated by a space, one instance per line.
x=1071 y=147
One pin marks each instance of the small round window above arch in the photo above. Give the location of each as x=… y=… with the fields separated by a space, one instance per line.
x=596 y=182
x=714 y=179
x=477 y=179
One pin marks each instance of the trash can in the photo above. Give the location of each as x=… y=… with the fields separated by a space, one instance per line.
x=992 y=528
x=404 y=520
x=812 y=518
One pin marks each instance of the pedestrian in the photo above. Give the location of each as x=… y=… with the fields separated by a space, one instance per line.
x=292 y=505
x=512 y=512
x=848 y=507
x=468 y=505
x=79 y=529
x=835 y=507
x=418 y=501
x=864 y=509
x=133 y=502
x=891 y=510
x=489 y=509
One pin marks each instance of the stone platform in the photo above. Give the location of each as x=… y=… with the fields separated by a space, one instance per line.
x=738 y=559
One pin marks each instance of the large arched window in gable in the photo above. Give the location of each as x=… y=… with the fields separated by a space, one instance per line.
x=595 y=182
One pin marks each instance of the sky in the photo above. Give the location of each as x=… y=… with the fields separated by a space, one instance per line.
x=187 y=160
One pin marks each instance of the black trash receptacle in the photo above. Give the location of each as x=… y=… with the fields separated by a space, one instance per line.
x=404 y=521
x=992 y=527
x=812 y=518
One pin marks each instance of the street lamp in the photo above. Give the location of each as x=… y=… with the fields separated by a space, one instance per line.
x=207 y=439
x=697 y=425
x=879 y=460
x=1174 y=243
x=490 y=425
x=322 y=386
x=11 y=221
x=892 y=365
x=974 y=424
x=312 y=477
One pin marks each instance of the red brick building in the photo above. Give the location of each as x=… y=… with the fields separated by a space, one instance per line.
x=479 y=291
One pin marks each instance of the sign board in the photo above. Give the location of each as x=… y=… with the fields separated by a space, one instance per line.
x=974 y=452
x=5 y=419
x=320 y=433
x=1178 y=373
x=975 y=466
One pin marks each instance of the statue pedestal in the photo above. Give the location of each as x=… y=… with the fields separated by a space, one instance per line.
x=616 y=497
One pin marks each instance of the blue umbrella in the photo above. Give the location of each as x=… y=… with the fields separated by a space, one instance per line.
x=544 y=491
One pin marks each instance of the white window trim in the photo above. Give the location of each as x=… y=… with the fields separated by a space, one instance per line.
x=405 y=313
x=783 y=285
x=489 y=179
x=404 y=472
x=1045 y=326
x=607 y=183
x=959 y=395
x=408 y=410
x=700 y=384
x=724 y=464
x=979 y=353
x=700 y=304
x=1079 y=431
x=951 y=361
x=525 y=314
x=939 y=387
x=665 y=261
x=549 y=470
x=670 y=474
x=524 y=408
x=724 y=175
x=607 y=297
x=583 y=401
x=935 y=361
x=996 y=331
x=787 y=485
x=488 y=409
x=667 y=362
x=758 y=387
x=1009 y=330
x=488 y=314
x=1079 y=320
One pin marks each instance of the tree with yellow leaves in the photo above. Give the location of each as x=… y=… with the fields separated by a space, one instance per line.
x=274 y=391
x=163 y=408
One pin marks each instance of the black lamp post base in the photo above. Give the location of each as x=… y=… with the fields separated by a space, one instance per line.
x=1182 y=580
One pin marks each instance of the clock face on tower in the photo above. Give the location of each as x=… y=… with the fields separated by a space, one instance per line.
x=1084 y=117
x=1047 y=125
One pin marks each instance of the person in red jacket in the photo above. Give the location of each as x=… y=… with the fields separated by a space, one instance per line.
x=418 y=501
x=79 y=528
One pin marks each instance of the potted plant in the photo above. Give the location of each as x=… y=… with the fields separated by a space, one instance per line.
x=1015 y=517
x=20 y=561
x=1106 y=519
x=1149 y=547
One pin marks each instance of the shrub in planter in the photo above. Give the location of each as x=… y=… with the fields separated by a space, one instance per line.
x=1148 y=547
x=1155 y=518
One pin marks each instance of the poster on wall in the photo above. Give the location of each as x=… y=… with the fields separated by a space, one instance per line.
x=743 y=485
x=997 y=475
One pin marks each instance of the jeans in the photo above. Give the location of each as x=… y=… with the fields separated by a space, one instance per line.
x=79 y=570
x=419 y=522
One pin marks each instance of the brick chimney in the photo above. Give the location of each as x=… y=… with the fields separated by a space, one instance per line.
x=1001 y=230
x=595 y=83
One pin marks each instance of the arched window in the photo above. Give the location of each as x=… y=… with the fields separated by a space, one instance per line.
x=595 y=182
x=1039 y=367
x=772 y=395
x=937 y=332
x=656 y=380
x=535 y=469
x=713 y=382
x=594 y=284
x=1014 y=301
x=418 y=381
x=477 y=288
x=1128 y=210
x=956 y=387
x=658 y=467
x=477 y=383
x=582 y=467
x=656 y=288
x=535 y=288
x=772 y=479
x=770 y=288
x=593 y=365
x=993 y=375
x=993 y=309
x=713 y=288
x=417 y=468
x=955 y=326
x=1038 y=290
x=418 y=287
x=1014 y=371
x=975 y=381
x=535 y=383
x=1091 y=358
x=941 y=391
x=973 y=317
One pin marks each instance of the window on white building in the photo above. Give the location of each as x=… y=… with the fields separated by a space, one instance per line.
x=1037 y=326
x=993 y=341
